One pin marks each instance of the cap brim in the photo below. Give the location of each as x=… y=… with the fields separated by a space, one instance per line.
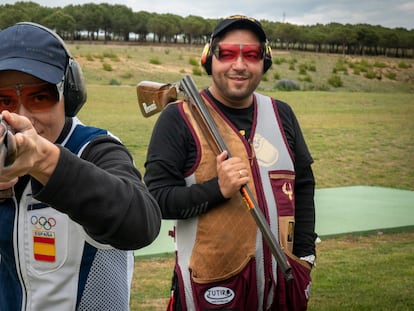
x=35 y=68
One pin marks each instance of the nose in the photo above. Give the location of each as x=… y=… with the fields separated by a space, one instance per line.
x=21 y=108
x=239 y=63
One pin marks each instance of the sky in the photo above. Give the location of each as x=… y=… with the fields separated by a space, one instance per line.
x=387 y=13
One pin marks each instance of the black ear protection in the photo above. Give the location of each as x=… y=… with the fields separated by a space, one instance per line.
x=74 y=88
x=207 y=55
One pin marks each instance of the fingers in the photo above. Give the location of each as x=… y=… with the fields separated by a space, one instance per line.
x=243 y=173
x=11 y=149
x=232 y=174
x=16 y=122
x=8 y=184
x=221 y=157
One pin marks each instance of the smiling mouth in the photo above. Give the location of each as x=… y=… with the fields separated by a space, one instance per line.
x=237 y=78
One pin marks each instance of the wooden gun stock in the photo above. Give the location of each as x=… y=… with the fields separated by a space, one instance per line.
x=154 y=96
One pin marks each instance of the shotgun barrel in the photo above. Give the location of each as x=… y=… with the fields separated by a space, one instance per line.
x=189 y=88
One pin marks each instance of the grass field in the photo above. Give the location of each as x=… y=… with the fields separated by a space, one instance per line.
x=355 y=138
x=359 y=134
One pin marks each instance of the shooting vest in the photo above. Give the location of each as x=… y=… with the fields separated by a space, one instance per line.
x=221 y=244
x=48 y=262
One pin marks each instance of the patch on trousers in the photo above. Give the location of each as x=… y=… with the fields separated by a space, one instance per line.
x=219 y=295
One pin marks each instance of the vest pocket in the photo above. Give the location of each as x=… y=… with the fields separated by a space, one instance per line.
x=294 y=296
x=47 y=231
x=283 y=187
x=238 y=292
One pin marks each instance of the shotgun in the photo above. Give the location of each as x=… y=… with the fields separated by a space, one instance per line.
x=7 y=153
x=153 y=97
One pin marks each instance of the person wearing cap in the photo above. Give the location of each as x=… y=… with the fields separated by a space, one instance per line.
x=222 y=260
x=77 y=207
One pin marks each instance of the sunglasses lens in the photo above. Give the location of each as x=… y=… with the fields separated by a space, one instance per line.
x=252 y=53
x=36 y=98
x=230 y=52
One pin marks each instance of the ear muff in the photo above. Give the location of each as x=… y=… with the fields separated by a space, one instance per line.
x=267 y=63
x=74 y=88
x=206 y=58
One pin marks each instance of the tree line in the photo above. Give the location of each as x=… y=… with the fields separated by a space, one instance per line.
x=113 y=22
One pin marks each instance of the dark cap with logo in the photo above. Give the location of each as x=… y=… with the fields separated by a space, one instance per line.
x=30 y=49
x=239 y=22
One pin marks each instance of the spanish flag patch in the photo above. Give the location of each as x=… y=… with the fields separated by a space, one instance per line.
x=44 y=248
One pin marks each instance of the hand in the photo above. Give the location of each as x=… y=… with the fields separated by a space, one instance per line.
x=232 y=174
x=8 y=184
x=35 y=155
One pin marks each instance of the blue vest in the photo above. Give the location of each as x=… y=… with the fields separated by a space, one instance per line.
x=48 y=262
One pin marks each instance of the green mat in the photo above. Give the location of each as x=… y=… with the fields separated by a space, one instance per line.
x=338 y=211
x=361 y=208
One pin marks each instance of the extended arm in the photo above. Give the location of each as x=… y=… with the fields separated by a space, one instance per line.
x=105 y=195
x=103 y=192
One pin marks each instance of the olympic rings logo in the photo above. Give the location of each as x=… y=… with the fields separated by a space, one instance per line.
x=43 y=222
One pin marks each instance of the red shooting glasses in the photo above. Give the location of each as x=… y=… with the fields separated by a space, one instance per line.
x=231 y=52
x=34 y=97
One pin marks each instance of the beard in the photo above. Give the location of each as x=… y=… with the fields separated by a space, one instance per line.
x=235 y=89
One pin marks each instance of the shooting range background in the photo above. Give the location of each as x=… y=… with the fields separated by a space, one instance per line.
x=343 y=210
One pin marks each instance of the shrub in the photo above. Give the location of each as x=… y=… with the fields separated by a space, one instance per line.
x=403 y=65
x=335 y=81
x=287 y=85
x=307 y=78
x=197 y=71
x=193 y=61
x=111 y=56
x=370 y=74
x=380 y=65
x=155 y=61
x=340 y=66
x=107 y=67
x=390 y=75
x=114 y=82
x=302 y=69
x=127 y=75
x=279 y=60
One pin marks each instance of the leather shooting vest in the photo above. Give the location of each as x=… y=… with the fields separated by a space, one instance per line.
x=220 y=243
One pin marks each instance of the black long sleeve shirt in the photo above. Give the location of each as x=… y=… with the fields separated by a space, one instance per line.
x=103 y=192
